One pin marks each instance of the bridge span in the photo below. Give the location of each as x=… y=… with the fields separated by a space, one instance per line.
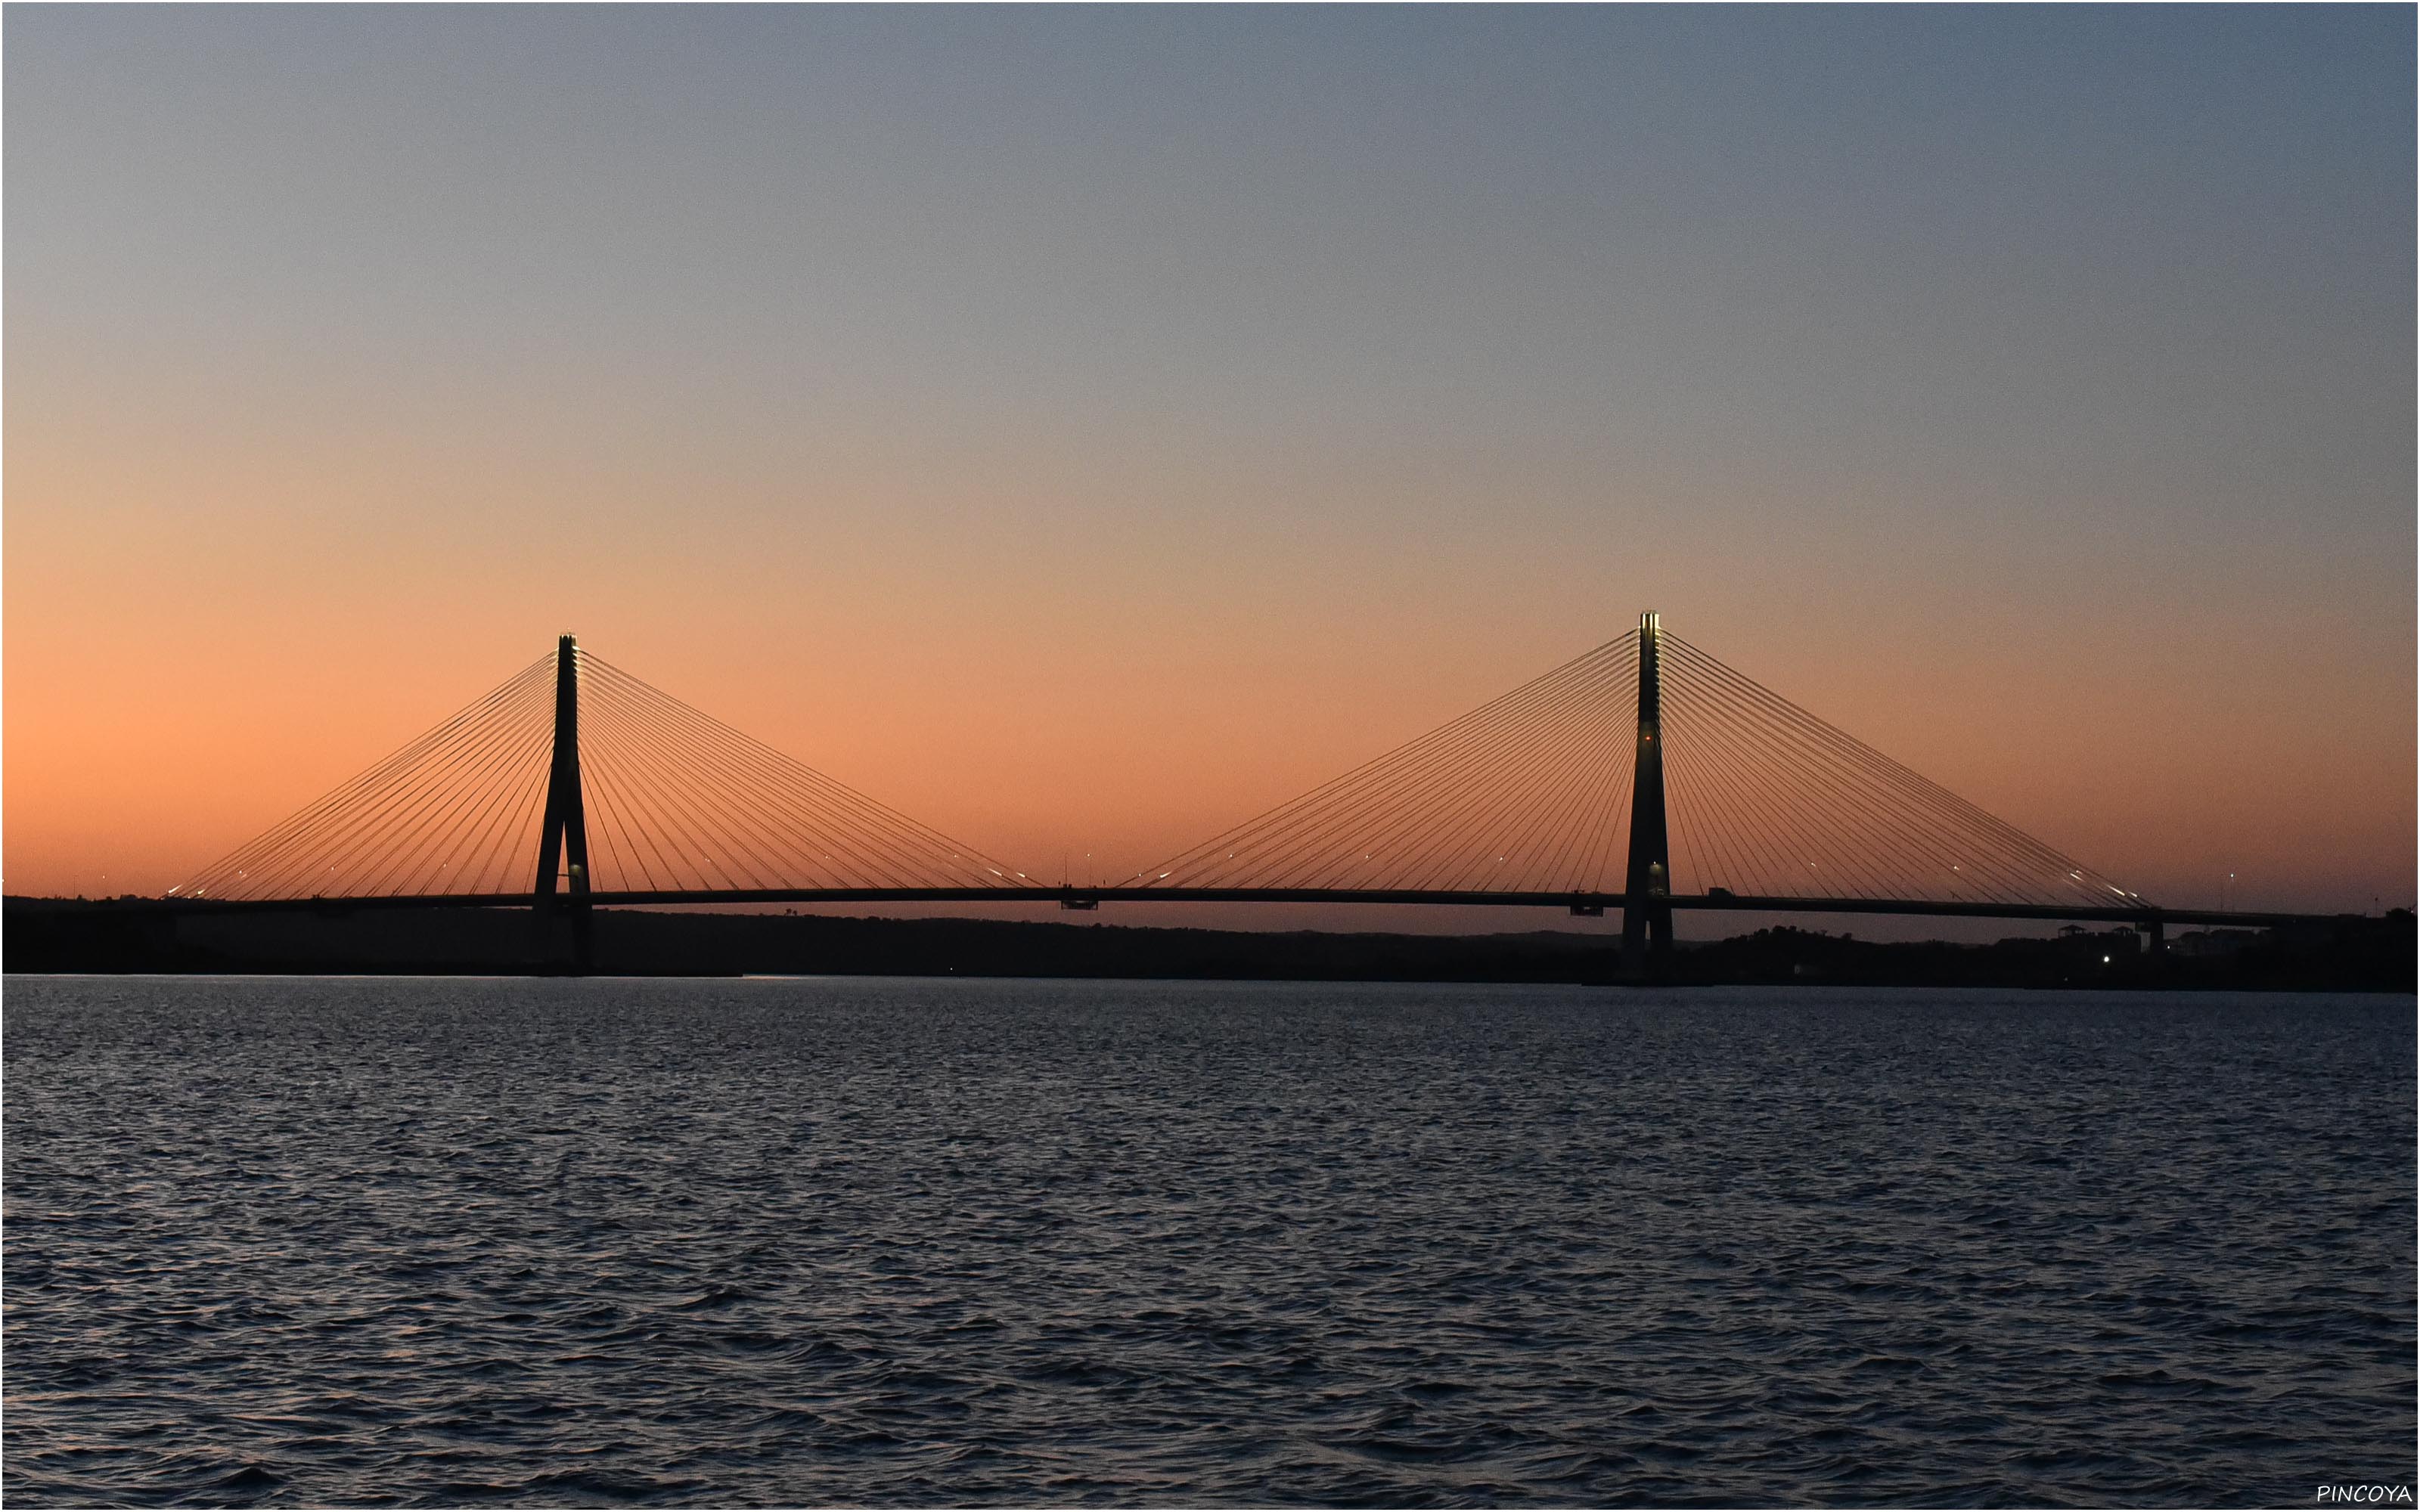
x=1643 y=777
x=1589 y=905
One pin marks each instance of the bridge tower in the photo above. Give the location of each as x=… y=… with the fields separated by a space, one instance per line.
x=564 y=828
x=1647 y=924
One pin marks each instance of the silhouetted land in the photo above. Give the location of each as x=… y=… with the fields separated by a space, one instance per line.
x=47 y=934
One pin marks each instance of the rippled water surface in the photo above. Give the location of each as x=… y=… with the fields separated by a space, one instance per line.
x=851 y=1242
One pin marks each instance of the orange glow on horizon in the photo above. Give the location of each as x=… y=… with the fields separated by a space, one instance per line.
x=173 y=698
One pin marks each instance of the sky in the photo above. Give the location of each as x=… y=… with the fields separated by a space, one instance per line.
x=1084 y=429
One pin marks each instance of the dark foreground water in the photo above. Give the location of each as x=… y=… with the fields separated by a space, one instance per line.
x=853 y=1241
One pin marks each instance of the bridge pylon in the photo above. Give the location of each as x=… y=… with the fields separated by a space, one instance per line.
x=563 y=833
x=1645 y=917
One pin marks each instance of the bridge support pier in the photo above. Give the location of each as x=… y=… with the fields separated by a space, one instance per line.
x=563 y=833
x=1645 y=917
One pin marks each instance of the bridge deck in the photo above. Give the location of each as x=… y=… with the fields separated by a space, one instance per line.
x=2136 y=914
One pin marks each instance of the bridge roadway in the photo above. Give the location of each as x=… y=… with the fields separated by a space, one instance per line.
x=2138 y=915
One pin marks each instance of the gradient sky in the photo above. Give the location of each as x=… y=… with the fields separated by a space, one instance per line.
x=1082 y=428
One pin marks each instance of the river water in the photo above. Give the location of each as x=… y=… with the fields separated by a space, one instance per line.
x=857 y=1241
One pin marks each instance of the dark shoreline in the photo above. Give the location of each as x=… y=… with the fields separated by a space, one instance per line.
x=76 y=935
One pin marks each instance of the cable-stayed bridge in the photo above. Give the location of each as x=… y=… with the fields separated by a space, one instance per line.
x=1644 y=777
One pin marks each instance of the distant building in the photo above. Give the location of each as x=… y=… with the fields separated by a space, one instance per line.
x=2212 y=942
x=2109 y=946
